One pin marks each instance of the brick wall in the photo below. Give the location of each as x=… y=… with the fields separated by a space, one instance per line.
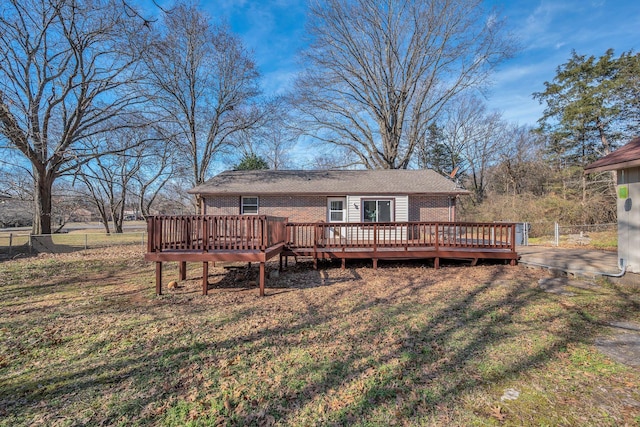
x=314 y=208
x=296 y=208
x=430 y=208
x=222 y=205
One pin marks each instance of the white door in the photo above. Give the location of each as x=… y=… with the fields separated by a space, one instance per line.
x=336 y=212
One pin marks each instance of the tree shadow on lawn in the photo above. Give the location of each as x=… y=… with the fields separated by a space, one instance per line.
x=76 y=287
x=403 y=353
x=244 y=278
x=423 y=355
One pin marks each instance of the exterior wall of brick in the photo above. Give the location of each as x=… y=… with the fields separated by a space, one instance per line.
x=431 y=208
x=221 y=205
x=297 y=208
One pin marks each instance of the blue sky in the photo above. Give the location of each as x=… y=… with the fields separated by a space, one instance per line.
x=547 y=32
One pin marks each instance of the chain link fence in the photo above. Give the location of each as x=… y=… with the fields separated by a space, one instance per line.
x=599 y=236
x=21 y=244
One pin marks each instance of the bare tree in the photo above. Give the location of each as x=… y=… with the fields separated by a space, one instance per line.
x=109 y=177
x=15 y=176
x=160 y=165
x=204 y=83
x=275 y=137
x=380 y=72
x=64 y=68
x=480 y=135
x=466 y=142
x=521 y=168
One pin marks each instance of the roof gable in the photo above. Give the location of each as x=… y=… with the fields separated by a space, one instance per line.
x=328 y=182
x=624 y=157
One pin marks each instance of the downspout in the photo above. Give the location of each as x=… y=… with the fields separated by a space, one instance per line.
x=450 y=208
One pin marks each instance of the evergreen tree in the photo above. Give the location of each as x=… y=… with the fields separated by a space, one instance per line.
x=251 y=162
x=589 y=105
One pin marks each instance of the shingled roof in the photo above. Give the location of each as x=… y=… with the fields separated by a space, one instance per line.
x=331 y=182
x=626 y=156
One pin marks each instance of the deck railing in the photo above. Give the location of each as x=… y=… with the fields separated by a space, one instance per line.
x=401 y=235
x=205 y=233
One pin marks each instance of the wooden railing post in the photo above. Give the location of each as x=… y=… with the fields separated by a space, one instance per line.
x=205 y=233
x=375 y=237
x=375 y=245
x=150 y=235
x=157 y=233
x=315 y=245
x=189 y=231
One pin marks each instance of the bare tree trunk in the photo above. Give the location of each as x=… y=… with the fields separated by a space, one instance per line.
x=105 y=221
x=42 y=202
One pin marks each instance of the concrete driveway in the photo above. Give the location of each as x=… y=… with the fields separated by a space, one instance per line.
x=586 y=262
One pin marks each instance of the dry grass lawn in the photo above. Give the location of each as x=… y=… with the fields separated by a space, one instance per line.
x=84 y=341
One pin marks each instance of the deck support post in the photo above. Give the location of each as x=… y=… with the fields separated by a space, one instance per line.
x=436 y=263
x=262 y=279
x=205 y=278
x=375 y=263
x=159 y=278
x=344 y=262
x=182 y=270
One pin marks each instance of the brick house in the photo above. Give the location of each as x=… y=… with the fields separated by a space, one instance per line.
x=333 y=196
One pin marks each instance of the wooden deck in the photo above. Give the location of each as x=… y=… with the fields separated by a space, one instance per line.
x=197 y=238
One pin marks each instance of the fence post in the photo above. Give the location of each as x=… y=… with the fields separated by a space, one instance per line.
x=556 y=234
x=30 y=244
x=86 y=238
x=10 y=243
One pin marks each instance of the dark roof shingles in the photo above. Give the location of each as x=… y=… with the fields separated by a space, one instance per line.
x=627 y=155
x=329 y=182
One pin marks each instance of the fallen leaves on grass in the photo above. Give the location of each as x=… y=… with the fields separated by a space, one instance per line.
x=404 y=344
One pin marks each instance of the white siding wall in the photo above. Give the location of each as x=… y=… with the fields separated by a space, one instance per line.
x=629 y=219
x=401 y=207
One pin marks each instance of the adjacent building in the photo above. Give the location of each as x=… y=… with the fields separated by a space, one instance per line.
x=626 y=162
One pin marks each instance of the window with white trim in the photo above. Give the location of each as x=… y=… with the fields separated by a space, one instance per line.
x=249 y=205
x=377 y=210
x=337 y=209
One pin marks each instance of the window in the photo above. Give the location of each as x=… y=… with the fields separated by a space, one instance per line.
x=336 y=210
x=376 y=211
x=249 y=206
